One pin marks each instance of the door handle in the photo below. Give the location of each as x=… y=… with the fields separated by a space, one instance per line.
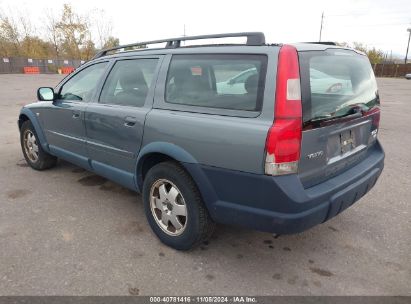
x=76 y=115
x=130 y=121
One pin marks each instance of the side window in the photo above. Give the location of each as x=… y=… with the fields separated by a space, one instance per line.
x=128 y=82
x=81 y=86
x=234 y=82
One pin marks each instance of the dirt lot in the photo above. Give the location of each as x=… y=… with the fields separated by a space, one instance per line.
x=68 y=232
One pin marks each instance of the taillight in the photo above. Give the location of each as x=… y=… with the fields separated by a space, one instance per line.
x=376 y=119
x=283 y=142
x=375 y=114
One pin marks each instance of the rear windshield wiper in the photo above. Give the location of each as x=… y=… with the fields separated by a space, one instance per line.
x=356 y=107
x=354 y=112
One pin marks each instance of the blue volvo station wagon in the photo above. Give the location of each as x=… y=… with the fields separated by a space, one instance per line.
x=272 y=137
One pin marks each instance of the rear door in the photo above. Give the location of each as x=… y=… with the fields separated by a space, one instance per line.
x=340 y=112
x=115 y=122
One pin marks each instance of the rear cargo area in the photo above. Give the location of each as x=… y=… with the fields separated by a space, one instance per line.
x=340 y=104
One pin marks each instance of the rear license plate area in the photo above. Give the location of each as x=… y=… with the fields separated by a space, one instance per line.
x=347 y=141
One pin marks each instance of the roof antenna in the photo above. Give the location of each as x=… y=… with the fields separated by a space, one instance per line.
x=184 y=33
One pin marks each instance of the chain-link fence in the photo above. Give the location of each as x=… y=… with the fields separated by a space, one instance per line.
x=10 y=65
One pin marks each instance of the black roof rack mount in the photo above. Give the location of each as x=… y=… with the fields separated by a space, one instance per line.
x=253 y=38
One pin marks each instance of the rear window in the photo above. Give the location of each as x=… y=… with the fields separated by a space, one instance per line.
x=336 y=83
x=234 y=82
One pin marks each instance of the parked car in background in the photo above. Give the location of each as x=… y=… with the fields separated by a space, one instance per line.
x=277 y=138
x=323 y=83
x=236 y=84
x=408 y=76
x=319 y=82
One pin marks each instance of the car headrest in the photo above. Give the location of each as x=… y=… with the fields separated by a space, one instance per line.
x=251 y=84
x=131 y=79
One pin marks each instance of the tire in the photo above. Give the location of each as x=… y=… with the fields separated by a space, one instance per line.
x=34 y=154
x=197 y=224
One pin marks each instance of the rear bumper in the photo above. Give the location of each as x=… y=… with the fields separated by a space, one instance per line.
x=281 y=204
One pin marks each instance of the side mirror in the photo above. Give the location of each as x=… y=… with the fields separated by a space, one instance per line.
x=45 y=94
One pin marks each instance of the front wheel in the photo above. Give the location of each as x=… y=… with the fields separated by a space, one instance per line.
x=174 y=207
x=34 y=154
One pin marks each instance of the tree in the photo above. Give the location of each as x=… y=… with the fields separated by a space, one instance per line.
x=18 y=37
x=88 y=50
x=30 y=45
x=103 y=28
x=111 y=42
x=74 y=31
x=34 y=47
x=374 y=55
x=53 y=33
x=10 y=37
x=69 y=34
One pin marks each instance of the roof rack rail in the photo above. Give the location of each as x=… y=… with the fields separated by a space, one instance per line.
x=322 y=42
x=253 y=38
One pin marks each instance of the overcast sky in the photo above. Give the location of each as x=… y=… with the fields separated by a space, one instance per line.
x=379 y=23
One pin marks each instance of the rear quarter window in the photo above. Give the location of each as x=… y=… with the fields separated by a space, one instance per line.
x=234 y=82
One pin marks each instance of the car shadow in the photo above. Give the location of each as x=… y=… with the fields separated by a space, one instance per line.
x=235 y=241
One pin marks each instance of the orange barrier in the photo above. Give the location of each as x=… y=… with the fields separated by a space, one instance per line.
x=31 y=70
x=67 y=70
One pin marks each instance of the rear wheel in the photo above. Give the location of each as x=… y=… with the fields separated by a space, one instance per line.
x=174 y=207
x=34 y=154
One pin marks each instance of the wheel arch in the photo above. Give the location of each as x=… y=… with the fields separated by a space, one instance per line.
x=22 y=119
x=158 y=152
x=26 y=114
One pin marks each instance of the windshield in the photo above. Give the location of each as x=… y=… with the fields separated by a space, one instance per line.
x=334 y=82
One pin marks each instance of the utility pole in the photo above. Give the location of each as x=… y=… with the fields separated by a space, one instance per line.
x=408 y=45
x=321 y=27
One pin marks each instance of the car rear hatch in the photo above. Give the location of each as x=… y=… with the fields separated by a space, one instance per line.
x=340 y=112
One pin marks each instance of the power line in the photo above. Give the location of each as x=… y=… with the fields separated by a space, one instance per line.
x=367 y=25
x=369 y=13
x=357 y=24
x=374 y=25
